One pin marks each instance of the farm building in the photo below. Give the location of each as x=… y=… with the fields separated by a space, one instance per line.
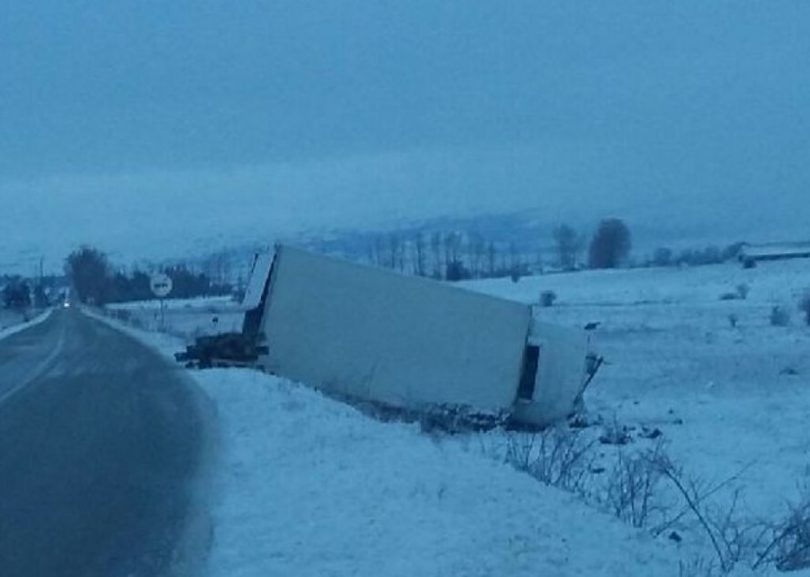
x=408 y=342
x=751 y=254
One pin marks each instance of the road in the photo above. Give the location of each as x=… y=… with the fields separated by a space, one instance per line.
x=101 y=446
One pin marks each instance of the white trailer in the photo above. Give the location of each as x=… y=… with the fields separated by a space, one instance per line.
x=409 y=342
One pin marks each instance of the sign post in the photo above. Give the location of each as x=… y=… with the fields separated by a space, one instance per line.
x=161 y=285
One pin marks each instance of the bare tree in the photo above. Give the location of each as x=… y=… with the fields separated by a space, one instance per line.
x=477 y=251
x=515 y=263
x=452 y=249
x=789 y=547
x=418 y=247
x=610 y=245
x=436 y=251
x=372 y=251
x=393 y=248
x=89 y=270
x=568 y=245
x=662 y=256
x=804 y=306
x=377 y=252
x=492 y=259
x=218 y=267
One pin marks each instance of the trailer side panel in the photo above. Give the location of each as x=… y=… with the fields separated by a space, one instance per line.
x=406 y=341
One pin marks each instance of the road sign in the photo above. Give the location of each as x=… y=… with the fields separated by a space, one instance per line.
x=161 y=285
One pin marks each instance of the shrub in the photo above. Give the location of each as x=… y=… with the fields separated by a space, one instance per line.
x=615 y=433
x=631 y=486
x=780 y=317
x=557 y=457
x=804 y=306
x=732 y=251
x=700 y=256
x=123 y=315
x=793 y=551
x=732 y=537
x=740 y=293
x=662 y=257
x=547 y=298
x=456 y=271
x=789 y=549
x=17 y=295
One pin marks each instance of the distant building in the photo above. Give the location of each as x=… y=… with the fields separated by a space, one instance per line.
x=751 y=254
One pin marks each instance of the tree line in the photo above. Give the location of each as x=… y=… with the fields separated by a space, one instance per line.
x=455 y=256
x=665 y=256
x=446 y=256
x=20 y=294
x=96 y=281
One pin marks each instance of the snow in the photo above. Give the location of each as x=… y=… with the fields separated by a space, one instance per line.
x=259 y=275
x=211 y=303
x=776 y=283
x=309 y=486
x=18 y=325
x=185 y=318
x=673 y=356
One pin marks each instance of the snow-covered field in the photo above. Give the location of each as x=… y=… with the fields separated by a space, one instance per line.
x=308 y=486
x=186 y=318
x=742 y=392
x=311 y=487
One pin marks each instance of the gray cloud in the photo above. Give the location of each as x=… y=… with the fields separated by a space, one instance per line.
x=358 y=112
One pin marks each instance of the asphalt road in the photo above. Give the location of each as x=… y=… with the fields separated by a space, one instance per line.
x=101 y=446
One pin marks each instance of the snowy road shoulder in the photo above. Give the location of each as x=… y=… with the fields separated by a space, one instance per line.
x=13 y=330
x=312 y=487
x=309 y=486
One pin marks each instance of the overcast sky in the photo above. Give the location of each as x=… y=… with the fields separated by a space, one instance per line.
x=332 y=113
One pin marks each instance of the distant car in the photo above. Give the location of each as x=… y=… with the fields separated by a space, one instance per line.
x=66 y=305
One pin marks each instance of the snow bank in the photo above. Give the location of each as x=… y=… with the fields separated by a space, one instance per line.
x=14 y=329
x=776 y=283
x=188 y=319
x=309 y=486
x=207 y=303
x=729 y=398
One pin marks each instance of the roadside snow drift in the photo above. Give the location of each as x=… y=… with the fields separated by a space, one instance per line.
x=309 y=486
x=19 y=325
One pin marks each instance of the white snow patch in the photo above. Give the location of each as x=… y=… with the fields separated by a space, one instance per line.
x=17 y=328
x=310 y=487
x=185 y=318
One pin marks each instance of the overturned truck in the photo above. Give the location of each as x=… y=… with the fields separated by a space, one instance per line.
x=411 y=343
